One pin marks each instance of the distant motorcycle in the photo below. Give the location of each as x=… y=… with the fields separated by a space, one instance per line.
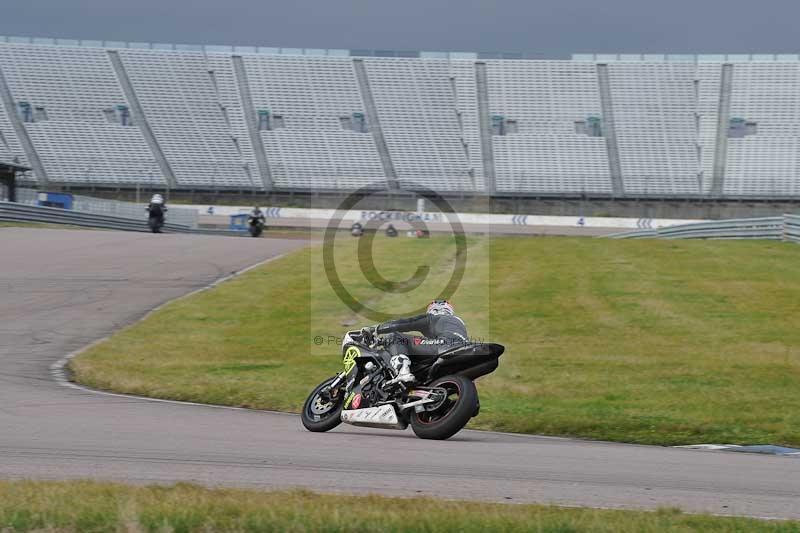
x=155 y=217
x=391 y=231
x=366 y=392
x=356 y=230
x=255 y=225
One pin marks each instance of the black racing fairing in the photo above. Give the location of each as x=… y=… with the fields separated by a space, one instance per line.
x=471 y=360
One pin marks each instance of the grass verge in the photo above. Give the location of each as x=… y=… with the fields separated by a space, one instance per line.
x=656 y=342
x=94 y=507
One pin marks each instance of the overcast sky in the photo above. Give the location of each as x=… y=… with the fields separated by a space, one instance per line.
x=552 y=27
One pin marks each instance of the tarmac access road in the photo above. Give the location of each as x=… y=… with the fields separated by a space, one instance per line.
x=62 y=289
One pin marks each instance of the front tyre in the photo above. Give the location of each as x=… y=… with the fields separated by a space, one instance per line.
x=321 y=413
x=452 y=414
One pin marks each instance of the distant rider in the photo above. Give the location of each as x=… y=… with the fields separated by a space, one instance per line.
x=258 y=214
x=157 y=208
x=441 y=330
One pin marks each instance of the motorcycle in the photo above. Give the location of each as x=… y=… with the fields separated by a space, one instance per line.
x=367 y=392
x=155 y=219
x=255 y=225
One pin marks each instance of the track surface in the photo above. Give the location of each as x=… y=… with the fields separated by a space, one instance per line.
x=61 y=289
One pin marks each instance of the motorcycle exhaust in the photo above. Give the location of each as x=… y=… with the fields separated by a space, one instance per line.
x=382 y=416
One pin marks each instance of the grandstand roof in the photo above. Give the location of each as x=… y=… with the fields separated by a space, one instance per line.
x=425 y=54
x=12 y=167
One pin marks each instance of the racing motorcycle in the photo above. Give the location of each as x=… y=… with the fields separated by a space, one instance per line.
x=155 y=218
x=368 y=393
x=255 y=225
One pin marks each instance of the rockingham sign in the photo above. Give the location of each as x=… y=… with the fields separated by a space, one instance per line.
x=405 y=216
x=436 y=217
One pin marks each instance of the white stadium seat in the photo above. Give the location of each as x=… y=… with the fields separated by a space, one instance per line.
x=634 y=125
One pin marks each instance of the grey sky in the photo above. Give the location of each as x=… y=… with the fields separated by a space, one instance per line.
x=553 y=28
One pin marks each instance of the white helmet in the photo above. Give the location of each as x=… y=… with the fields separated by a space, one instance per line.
x=157 y=199
x=440 y=307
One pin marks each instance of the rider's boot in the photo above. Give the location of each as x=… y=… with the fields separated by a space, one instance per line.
x=402 y=366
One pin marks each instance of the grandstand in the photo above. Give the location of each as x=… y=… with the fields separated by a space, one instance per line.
x=124 y=115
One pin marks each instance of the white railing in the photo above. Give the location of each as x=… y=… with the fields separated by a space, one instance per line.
x=786 y=227
x=17 y=212
x=791 y=228
x=114 y=208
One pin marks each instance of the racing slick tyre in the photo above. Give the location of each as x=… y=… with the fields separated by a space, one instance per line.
x=452 y=414
x=155 y=224
x=321 y=414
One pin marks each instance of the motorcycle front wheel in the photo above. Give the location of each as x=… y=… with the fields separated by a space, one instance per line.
x=320 y=413
x=452 y=414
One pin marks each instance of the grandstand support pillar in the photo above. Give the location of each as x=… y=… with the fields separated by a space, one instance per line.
x=140 y=119
x=609 y=130
x=22 y=133
x=374 y=124
x=723 y=121
x=252 y=127
x=487 y=152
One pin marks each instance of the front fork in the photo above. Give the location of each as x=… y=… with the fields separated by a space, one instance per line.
x=331 y=391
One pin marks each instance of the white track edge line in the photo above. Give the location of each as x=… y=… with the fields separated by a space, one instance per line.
x=59 y=374
x=58 y=370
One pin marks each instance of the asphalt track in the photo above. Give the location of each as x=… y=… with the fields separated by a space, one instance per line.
x=62 y=289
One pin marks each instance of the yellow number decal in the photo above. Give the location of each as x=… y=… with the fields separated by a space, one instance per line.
x=350 y=358
x=349 y=400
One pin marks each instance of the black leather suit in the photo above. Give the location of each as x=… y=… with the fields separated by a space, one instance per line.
x=440 y=333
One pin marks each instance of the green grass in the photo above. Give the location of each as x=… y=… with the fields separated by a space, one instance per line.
x=96 y=507
x=657 y=342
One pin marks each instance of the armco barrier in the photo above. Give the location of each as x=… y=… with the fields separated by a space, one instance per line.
x=13 y=212
x=791 y=228
x=635 y=234
x=113 y=208
x=786 y=227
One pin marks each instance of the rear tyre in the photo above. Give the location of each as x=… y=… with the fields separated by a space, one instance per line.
x=454 y=412
x=320 y=414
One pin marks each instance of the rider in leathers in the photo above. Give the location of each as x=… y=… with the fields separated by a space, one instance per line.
x=441 y=330
x=157 y=208
x=258 y=214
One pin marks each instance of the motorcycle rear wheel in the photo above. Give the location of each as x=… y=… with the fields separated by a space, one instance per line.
x=460 y=405
x=320 y=415
x=155 y=224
